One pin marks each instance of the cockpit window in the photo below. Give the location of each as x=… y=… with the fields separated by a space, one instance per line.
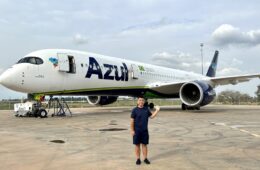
x=31 y=60
x=39 y=61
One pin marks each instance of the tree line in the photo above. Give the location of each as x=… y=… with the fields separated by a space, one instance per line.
x=236 y=97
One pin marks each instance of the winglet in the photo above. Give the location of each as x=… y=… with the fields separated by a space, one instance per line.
x=213 y=66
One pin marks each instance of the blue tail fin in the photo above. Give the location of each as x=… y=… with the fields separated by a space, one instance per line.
x=213 y=66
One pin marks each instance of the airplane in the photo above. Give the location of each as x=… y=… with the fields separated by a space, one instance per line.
x=103 y=78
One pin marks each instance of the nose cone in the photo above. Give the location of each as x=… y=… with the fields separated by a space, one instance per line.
x=4 y=79
x=8 y=79
x=1 y=79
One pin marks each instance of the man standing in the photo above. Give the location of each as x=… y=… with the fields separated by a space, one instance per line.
x=139 y=128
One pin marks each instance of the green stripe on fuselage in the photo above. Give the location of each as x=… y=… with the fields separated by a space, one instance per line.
x=90 y=90
x=150 y=94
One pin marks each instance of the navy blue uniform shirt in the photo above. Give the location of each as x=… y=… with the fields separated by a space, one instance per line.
x=141 y=116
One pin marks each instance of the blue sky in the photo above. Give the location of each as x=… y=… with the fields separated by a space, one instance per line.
x=162 y=32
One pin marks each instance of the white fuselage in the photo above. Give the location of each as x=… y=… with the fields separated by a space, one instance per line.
x=87 y=72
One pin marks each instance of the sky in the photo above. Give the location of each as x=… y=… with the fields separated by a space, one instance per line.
x=160 y=32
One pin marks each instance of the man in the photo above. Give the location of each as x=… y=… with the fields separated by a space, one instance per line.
x=139 y=128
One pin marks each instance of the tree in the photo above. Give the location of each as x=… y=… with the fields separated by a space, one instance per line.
x=234 y=97
x=258 y=93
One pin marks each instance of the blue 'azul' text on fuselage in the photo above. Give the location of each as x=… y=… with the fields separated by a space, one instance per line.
x=111 y=71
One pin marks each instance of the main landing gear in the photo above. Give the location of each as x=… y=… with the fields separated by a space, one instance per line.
x=185 y=107
x=149 y=105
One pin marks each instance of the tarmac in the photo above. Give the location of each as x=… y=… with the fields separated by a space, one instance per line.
x=215 y=137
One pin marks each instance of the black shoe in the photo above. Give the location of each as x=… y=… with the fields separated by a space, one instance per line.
x=138 y=162
x=146 y=161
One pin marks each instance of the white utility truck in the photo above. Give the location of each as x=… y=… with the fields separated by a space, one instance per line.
x=29 y=109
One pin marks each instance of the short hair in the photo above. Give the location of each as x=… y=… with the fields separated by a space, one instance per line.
x=140 y=97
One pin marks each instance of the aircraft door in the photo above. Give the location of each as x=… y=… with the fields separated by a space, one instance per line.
x=66 y=63
x=135 y=73
x=63 y=62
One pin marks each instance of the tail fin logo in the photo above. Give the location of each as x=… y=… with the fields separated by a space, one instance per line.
x=213 y=66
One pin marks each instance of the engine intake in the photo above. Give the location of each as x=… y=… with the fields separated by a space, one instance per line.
x=101 y=100
x=197 y=93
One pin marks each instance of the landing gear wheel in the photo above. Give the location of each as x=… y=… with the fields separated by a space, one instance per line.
x=183 y=106
x=151 y=105
x=146 y=104
x=42 y=113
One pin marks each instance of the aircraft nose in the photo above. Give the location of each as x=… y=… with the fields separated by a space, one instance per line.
x=13 y=79
x=3 y=78
x=6 y=79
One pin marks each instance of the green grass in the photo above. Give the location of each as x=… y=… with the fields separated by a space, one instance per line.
x=6 y=105
x=122 y=103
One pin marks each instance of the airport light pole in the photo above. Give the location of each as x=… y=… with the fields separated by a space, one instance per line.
x=201 y=51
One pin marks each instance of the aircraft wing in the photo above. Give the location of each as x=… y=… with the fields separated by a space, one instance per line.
x=173 y=88
x=167 y=88
x=233 y=79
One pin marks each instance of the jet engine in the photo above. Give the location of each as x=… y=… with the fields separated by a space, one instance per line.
x=101 y=100
x=196 y=94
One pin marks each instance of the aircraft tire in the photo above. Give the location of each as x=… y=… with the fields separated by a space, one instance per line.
x=151 y=105
x=183 y=106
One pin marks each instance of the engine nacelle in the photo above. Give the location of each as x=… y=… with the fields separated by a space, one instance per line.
x=101 y=100
x=197 y=93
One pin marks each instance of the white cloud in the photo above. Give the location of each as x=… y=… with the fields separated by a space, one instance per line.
x=229 y=71
x=150 y=25
x=160 y=25
x=187 y=62
x=226 y=35
x=1 y=70
x=180 y=60
x=3 y=21
x=80 y=39
x=230 y=67
x=236 y=62
x=87 y=15
x=56 y=12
